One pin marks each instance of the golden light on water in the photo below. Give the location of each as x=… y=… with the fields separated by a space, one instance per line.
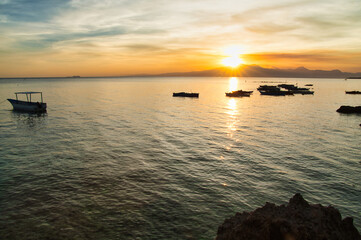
x=233 y=84
x=232 y=120
x=232 y=106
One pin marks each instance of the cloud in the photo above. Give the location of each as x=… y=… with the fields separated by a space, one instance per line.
x=331 y=59
x=315 y=56
x=43 y=41
x=3 y=19
x=130 y=29
x=31 y=11
x=305 y=24
x=270 y=28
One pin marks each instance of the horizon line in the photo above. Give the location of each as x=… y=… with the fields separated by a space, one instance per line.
x=165 y=74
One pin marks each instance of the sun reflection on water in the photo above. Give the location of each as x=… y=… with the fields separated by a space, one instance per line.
x=233 y=84
x=232 y=112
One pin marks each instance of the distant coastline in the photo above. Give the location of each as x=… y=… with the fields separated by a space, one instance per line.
x=242 y=71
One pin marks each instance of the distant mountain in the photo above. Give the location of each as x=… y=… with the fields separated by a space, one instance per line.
x=258 y=71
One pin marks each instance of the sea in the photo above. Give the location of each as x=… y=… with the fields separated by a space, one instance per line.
x=120 y=158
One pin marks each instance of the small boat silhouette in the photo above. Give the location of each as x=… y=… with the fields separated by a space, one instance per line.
x=184 y=94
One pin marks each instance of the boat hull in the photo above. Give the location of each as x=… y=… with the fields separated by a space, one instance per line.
x=353 y=92
x=27 y=106
x=239 y=93
x=183 y=94
x=307 y=93
x=275 y=93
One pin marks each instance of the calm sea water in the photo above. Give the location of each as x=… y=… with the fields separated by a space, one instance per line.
x=120 y=158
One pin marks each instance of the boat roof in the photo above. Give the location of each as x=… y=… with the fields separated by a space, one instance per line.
x=27 y=92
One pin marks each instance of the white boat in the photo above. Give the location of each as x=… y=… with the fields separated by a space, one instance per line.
x=28 y=105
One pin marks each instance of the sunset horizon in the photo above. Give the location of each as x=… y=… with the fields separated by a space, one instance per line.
x=183 y=119
x=112 y=38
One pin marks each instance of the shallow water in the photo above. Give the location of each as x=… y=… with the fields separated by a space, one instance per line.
x=120 y=158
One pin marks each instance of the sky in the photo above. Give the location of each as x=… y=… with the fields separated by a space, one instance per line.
x=40 y=38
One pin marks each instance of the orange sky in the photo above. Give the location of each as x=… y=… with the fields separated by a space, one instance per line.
x=112 y=38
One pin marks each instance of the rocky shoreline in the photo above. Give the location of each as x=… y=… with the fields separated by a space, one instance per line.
x=298 y=220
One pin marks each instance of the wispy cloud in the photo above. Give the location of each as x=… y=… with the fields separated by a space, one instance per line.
x=31 y=11
x=128 y=29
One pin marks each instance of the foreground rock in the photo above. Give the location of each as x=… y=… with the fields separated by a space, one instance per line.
x=297 y=220
x=349 y=109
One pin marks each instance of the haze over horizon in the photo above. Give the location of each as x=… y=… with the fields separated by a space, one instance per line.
x=109 y=38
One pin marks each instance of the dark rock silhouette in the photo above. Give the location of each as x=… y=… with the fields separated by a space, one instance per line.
x=298 y=220
x=349 y=109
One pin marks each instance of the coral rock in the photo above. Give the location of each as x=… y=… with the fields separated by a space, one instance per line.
x=298 y=220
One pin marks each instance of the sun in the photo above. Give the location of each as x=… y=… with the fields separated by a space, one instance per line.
x=233 y=56
x=232 y=61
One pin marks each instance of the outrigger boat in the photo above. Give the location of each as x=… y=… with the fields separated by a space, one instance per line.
x=239 y=93
x=28 y=106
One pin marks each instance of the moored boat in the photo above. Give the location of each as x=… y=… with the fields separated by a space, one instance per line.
x=353 y=92
x=28 y=105
x=306 y=92
x=239 y=93
x=268 y=88
x=273 y=91
x=184 y=94
x=296 y=90
x=276 y=93
x=287 y=86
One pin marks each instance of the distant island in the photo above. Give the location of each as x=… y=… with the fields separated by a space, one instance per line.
x=241 y=71
x=258 y=71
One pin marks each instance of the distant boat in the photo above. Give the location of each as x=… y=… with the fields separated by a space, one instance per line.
x=28 y=106
x=309 y=85
x=274 y=90
x=287 y=86
x=353 y=92
x=296 y=90
x=306 y=92
x=268 y=88
x=239 y=93
x=276 y=93
x=184 y=94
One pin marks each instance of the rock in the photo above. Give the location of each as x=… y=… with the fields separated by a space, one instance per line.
x=298 y=220
x=349 y=109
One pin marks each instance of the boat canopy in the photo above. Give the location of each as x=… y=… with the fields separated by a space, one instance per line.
x=29 y=94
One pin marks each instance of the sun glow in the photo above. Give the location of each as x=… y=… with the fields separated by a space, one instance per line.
x=233 y=60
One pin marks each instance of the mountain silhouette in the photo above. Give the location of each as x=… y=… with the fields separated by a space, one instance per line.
x=258 y=71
